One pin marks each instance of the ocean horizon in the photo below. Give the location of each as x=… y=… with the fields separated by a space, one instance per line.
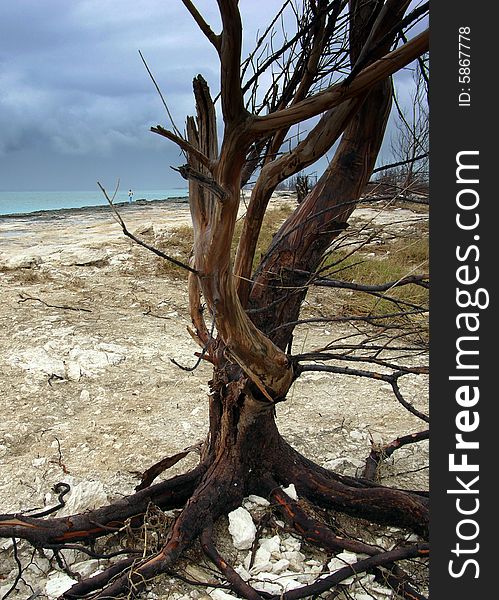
x=26 y=202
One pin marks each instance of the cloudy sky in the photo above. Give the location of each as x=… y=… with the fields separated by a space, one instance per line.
x=76 y=103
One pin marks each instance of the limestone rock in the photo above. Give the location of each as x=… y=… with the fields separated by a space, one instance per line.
x=291 y=491
x=242 y=528
x=86 y=495
x=57 y=584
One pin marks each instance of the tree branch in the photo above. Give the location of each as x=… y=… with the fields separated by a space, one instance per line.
x=237 y=583
x=230 y=62
x=160 y=93
x=205 y=181
x=382 y=559
x=137 y=240
x=421 y=280
x=185 y=145
x=338 y=93
x=202 y=24
x=378 y=454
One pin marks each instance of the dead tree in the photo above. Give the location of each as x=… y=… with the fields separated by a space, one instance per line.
x=254 y=314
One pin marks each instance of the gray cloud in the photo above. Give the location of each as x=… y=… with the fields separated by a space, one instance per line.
x=72 y=82
x=73 y=89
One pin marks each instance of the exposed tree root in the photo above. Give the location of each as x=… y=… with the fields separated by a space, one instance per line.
x=377 y=455
x=319 y=534
x=93 y=524
x=208 y=492
x=382 y=559
x=235 y=580
x=379 y=504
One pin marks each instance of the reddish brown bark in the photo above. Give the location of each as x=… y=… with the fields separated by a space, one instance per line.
x=244 y=452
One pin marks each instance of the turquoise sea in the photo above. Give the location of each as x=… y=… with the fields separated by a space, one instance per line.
x=29 y=202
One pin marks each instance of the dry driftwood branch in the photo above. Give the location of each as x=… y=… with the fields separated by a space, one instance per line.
x=155 y=470
x=401 y=163
x=324 y=356
x=202 y=24
x=25 y=298
x=203 y=180
x=421 y=280
x=237 y=583
x=338 y=93
x=391 y=378
x=160 y=95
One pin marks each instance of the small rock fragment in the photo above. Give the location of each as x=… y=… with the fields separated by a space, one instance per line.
x=57 y=584
x=291 y=491
x=241 y=528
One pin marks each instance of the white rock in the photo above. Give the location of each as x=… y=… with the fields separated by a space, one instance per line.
x=242 y=572
x=381 y=591
x=85 y=396
x=296 y=559
x=266 y=576
x=273 y=545
x=310 y=575
x=6 y=545
x=261 y=563
x=342 y=560
x=38 y=360
x=290 y=583
x=258 y=500
x=241 y=528
x=268 y=586
x=57 y=584
x=291 y=491
x=21 y=262
x=87 y=568
x=291 y=544
x=280 y=566
x=344 y=464
x=86 y=495
x=221 y=595
x=312 y=563
x=39 y=566
x=73 y=371
x=284 y=583
x=83 y=257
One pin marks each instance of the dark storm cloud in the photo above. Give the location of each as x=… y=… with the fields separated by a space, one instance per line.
x=75 y=94
x=72 y=83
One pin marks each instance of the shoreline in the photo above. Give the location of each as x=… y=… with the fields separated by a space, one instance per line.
x=86 y=210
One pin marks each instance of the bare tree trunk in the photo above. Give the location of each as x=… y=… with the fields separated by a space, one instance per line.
x=299 y=246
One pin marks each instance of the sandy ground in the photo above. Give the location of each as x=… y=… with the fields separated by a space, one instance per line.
x=89 y=393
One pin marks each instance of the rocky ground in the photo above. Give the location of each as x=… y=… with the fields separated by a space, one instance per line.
x=89 y=326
